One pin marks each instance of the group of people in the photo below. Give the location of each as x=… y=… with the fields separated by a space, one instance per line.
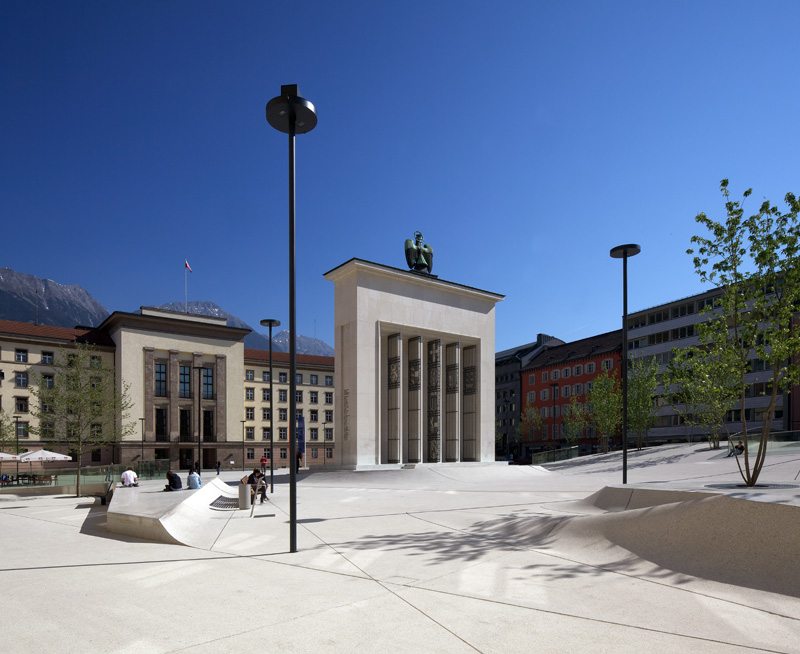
x=174 y=481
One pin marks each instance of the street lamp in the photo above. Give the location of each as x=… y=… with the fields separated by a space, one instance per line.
x=16 y=432
x=141 y=462
x=199 y=417
x=554 y=386
x=271 y=322
x=291 y=114
x=243 y=421
x=623 y=252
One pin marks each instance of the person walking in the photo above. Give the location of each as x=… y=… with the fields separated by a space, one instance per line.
x=218 y=466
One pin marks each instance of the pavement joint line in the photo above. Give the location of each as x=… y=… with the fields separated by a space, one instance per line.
x=610 y=570
x=600 y=621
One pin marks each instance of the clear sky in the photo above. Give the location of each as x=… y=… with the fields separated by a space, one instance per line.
x=524 y=139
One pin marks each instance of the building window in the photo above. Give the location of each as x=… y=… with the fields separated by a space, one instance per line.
x=531 y=397
x=208 y=384
x=298 y=397
x=544 y=394
x=265 y=433
x=314 y=452
x=577 y=389
x=313 y=397
x=590 y=368
x=251 y=453
x=48 y=381
x=265 y=414
x=249 y=413
x=328 y=452
x=544 y=412
x=47 y=358
x=566 y=391
x=314 y=380
x=607 y=364
x=282 y=377
x=250 y=394
x=555 y=432
x=554 y=375
x=265 y=376
x=328 y=398
x=329 y=416
x=314 y=434
x=282 y=396
x=577 y=370
x=249 y=375
x=161 y=380
x=565 y=373
x=21 y=379
x=95 y=362
x=531 y=379
x=283 y=453
x=282 y=415
x=589 y=387
x=47 y=430
x=161 y=422
x=265 y=394
x=298 y=378
x=298 y=413
x=314 y=416
x=250 y=433
x=544 y=376
x=267 y=453
x=21 y=356
x=185 y=422
x=544 y=432
x=328 y=380
x=185 y=381
x=328 y=433
x=282 y=433
x=22 y=405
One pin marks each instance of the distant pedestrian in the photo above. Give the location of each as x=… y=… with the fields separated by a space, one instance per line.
x=264 y=461
x=299 y=459
x=218 y=466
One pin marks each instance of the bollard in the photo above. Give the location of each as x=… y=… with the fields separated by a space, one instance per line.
x=244 y=496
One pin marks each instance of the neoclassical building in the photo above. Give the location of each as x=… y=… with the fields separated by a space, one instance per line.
x=195 y=392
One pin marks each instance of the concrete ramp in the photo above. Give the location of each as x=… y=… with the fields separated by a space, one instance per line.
x=186 y=517
x=723 y=539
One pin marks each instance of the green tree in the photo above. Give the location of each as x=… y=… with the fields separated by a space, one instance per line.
x=575 y=420
x=604 y=406
x=642 y=385
x=756 y=262
x=678 y=392
x=8 y=438
x=79 y=404
x=530 y=424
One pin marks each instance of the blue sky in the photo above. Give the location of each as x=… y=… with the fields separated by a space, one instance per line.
x=524 y=139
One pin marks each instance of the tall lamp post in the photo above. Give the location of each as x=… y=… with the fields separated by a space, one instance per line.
x=141 y=462
x=199 y=417
x=270 y=322
x=554 y=386
x=243 y=421
x=623 y=252
x=16 y=433
x=291 y=114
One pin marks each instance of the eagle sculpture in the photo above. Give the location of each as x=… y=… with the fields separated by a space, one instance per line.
x=418 y=256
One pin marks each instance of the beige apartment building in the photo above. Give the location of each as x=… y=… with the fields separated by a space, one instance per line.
x=195 y=392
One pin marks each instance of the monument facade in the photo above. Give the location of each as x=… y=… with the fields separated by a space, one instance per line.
x=414 y=364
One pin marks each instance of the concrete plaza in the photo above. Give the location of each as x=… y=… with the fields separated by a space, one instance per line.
x=444 y=558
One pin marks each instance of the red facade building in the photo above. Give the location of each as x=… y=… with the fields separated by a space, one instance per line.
x=554 y=377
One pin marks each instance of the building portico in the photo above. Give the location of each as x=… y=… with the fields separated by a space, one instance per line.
x=414 y=367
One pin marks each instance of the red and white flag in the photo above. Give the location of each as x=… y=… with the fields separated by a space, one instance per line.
x=186 y=265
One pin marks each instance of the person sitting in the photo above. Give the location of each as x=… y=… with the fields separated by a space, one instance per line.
x=129 y=478
x=739 y=448
x=174 y=482
x=253 y=480
x=193 y=480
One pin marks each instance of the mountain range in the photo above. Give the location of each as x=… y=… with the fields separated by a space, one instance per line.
x=26 y=298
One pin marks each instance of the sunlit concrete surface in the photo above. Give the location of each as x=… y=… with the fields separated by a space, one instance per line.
x=448 y=558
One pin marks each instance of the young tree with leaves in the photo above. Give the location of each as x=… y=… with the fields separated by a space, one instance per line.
x=756 y=261
x=575 y=420
x=604 y=405
x=642 y=384
x=529 y=425
x=79 y=404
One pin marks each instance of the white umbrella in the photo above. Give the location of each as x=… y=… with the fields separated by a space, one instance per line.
x=8 y=457
x=44 y=455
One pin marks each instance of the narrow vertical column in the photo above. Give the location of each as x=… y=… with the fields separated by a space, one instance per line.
x=394 y=392
x=434 y=400
x=149 y=381
x=414 y=415
x=469 y=405
x=220 y=397
x=452 y=422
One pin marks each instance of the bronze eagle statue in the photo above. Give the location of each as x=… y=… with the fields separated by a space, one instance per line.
x=418 y=256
